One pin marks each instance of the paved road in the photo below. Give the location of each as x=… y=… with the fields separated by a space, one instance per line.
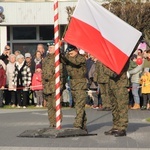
x=15 y=121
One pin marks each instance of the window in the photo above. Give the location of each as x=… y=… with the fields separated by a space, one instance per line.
x=62 y=30
x=24 y=33
x=46 y=32
x=8 y=33
x=26 y=38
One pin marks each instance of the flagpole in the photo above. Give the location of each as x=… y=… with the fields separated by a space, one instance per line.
x=57 y=63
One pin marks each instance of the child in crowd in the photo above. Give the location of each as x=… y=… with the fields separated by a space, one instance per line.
x=2 y=81
x=145 y=90
x=37 y=85
x=37 y=60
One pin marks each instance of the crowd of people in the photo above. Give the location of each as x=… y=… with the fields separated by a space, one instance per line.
x=21 y=80
x=138 y=74
x=138 y=82
x=85 y=82
x=22 y=74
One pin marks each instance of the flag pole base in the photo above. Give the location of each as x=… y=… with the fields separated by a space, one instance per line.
x=53 y=133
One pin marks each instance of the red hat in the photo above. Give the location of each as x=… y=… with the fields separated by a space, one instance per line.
x=38 y=66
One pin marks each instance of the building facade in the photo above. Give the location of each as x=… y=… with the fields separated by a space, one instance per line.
x=30 y=22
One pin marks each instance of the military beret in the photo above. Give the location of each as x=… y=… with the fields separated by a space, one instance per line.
x=51 y=43
x=70 y=48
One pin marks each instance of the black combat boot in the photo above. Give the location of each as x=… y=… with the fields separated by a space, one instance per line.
x=120 y=133
x=111 y=131
x=52 y=126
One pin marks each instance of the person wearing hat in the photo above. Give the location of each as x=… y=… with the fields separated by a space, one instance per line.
x=29 y=62
x=48 y=81
x=51 y=47
x=21 y=80
x=119 y=98
x=52 y=43
x=2 y=81
x=76 y=69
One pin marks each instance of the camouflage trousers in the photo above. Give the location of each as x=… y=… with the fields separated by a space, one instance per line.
x=51 y=105
x=119 y=101
x=79 y=97
x=104 y=91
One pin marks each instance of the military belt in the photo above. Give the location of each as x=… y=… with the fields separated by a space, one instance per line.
x=76 y=77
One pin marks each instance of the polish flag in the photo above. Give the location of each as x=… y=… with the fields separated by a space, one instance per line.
x=102 y=34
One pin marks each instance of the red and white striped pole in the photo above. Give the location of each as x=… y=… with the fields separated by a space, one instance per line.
x=57 y=63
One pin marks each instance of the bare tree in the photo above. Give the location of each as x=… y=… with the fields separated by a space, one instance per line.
x=135 y=14
x=70 y=11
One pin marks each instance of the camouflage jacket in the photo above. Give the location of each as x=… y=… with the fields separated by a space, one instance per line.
x=76 y=69
x=99 y=75
x=120 y=80
x=48 y=74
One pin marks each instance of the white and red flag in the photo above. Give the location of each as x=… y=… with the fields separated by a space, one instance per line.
x=102 y=34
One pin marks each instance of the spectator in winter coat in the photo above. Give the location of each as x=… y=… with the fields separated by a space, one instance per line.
x=30 y=62
x=145 y=90
x=38 y=58
x=134 y=72
x=37 y=85
x=4 y=57
x=21 y=80
x=9 y=72
x=2 y=81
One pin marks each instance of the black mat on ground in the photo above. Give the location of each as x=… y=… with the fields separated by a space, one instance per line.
x=53 y=133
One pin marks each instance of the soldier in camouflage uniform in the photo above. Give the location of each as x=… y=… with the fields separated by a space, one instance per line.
x=76 y=69
x=48 y=81
x=119 y=99
x=103 y=81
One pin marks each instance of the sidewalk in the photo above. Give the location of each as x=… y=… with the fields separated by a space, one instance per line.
x=14 y=122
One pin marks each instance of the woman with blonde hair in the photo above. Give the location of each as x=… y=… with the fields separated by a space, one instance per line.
x=9 y=73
